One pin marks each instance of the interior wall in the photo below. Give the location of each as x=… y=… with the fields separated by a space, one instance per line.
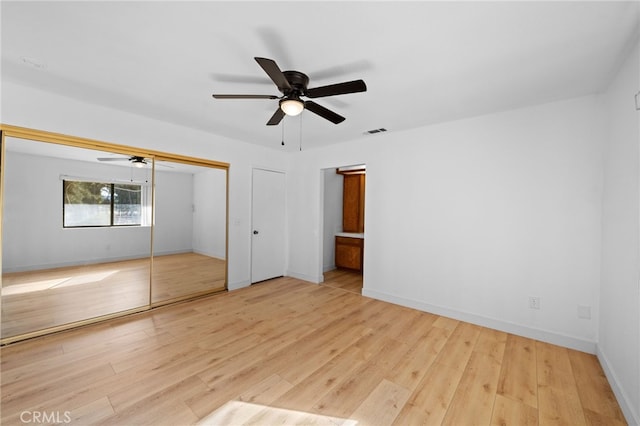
x=209 y=212
x=619 y=342
x=471 y=218
x=190 y=215
x=34 y=240
x=173 y=226
x=332 y=216
x=34 y=108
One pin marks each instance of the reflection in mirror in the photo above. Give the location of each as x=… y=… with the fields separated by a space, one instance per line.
x=189 y=233
x=76 y=235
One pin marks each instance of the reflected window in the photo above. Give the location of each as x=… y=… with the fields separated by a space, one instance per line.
x=90 y=204
x=127 y=204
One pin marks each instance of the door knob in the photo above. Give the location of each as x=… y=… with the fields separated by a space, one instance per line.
x=255 y=232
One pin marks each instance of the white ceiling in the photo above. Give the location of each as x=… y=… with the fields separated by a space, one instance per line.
x=423 y=62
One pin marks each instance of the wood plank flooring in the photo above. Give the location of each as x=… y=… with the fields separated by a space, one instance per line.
x=42 y=299
x=344 y=279
x=289 y=352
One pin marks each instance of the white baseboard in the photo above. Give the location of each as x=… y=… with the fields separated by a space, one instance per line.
x=327 y=268
x=238 y=285
x=316 y=279
x=630 y=414
x=95 y=261
x=303 y=277
x=83 y=262
x=219 y=256
x=493 y=323
x=171 y=252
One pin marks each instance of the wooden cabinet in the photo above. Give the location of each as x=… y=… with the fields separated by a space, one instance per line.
x=349 y=249
x=353 y=203
x=349 y=253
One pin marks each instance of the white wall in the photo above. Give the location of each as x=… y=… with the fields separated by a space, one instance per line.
x=619 y=337
x=33 y=240
x=29 y=107
x=332 y=216
x=209 y=213
x=173 y=226
x=33 y=236
x=470 y=218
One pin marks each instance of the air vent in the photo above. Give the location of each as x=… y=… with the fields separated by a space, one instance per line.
x=33 y=62
x=374 y=131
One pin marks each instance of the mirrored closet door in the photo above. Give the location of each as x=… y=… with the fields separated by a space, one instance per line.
x=89 y=234
x=189 y=234
x=76 y=236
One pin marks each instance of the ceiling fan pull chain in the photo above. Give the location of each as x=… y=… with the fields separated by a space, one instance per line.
x=283 y=132
x=300 y=132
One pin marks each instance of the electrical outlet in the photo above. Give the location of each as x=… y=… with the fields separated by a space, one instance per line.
x=534 y=302
x=584 y=312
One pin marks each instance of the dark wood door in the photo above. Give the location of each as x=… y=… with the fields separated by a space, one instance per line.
x=353 y=203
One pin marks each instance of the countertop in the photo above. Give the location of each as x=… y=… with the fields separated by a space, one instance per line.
x=350 y=235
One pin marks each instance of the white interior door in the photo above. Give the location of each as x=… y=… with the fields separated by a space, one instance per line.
x=268 y=225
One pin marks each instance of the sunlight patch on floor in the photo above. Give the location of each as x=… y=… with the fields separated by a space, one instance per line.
x=32 y=286
x=244 y=413
x=88 y=278
x=56 y=283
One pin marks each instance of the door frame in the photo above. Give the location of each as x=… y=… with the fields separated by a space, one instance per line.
x=321 y=224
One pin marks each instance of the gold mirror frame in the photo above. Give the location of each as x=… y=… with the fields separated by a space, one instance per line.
x=73 y=141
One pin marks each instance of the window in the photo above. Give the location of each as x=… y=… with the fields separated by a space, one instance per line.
x=102 y=204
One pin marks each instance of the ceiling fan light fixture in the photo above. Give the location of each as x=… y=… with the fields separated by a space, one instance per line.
x=138 y=162
x=291 y=107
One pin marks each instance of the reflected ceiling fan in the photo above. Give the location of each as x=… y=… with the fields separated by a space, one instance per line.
x=135 y=160
x=293 y=86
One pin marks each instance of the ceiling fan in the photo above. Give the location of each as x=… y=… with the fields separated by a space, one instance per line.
x=134 y=160
x=293 y=86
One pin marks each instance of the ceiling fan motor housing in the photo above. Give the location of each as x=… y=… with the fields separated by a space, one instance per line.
x=298 y=82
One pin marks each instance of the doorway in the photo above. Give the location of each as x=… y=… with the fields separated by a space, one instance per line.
x=343 y=243
x=268 y=219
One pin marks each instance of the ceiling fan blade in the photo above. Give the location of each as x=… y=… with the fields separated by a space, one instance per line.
x=323 y=112
x=244 y=96
x=276 y=118
x=337 y=89
x=273 y=71
x=112 y=159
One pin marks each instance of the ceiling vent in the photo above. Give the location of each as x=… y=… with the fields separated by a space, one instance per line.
x=374 y=131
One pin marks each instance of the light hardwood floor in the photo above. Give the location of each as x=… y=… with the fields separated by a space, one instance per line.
x=289 y=352
x=344 y=279
x=47 y=298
